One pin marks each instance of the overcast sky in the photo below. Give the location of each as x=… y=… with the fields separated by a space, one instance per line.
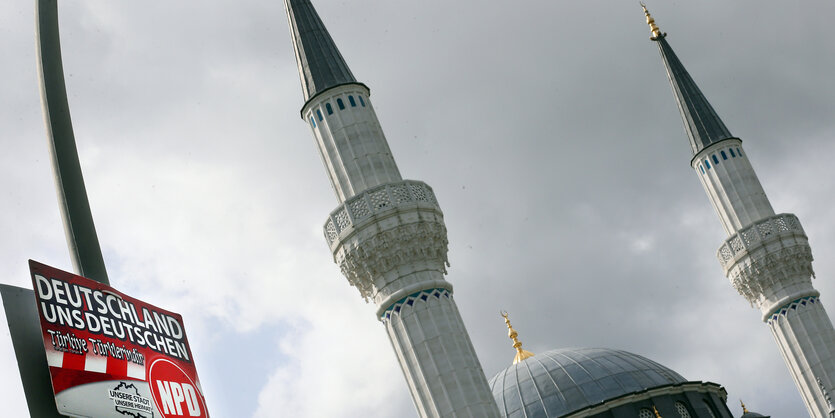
x=548 y=131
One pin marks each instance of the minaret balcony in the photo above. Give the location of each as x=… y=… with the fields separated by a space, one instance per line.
x=769 y=261
x=756 y=235
x=374 y=201
x=390 y=238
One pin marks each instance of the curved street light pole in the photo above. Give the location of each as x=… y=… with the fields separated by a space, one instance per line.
x=21 y=313
x=72 y=195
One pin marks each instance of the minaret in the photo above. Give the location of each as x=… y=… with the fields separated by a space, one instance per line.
x=387 y=235
x=766 y=255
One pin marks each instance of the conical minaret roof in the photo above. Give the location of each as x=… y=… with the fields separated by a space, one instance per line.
x=703 y=125
x=321 y=66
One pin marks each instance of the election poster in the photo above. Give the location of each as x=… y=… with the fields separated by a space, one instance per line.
x=111 y=355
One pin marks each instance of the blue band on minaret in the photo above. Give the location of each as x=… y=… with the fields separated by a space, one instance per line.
x=793 y=305
x=423 y=295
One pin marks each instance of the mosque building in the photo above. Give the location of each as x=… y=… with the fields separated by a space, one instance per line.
x=600 y=382
x=388 y=237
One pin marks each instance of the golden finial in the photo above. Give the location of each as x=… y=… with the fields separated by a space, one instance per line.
x=744 y=409
x=657 y=415
x=656 y=33
x=512 y=334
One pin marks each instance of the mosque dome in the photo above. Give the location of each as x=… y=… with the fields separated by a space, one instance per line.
x=748 y=414
x=558 y=382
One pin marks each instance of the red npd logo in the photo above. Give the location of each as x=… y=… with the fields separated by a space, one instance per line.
x=175 y=394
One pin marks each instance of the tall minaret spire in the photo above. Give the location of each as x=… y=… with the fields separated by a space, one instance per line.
x=656 y=33
x=349 y=136
x=387 y=235
x=766 y=255
x=321 y=66
x=703 y=125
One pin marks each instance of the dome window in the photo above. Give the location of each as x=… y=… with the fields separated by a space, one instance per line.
x=330 y=112
x=682 y=410
x=313 y=121
x=715 y=160
x=707 y=163
x=362 y=102
x=732 y=152
x=724 y=156
x=340 y=104
x=319 y=114
x=351 y=100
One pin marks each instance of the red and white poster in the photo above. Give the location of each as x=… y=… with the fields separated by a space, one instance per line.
x=111 y=355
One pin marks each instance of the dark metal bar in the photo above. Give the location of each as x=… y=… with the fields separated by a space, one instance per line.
x=72 y=195
x=25 y=330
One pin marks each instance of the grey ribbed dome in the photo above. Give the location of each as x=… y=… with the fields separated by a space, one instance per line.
x=557 y=382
